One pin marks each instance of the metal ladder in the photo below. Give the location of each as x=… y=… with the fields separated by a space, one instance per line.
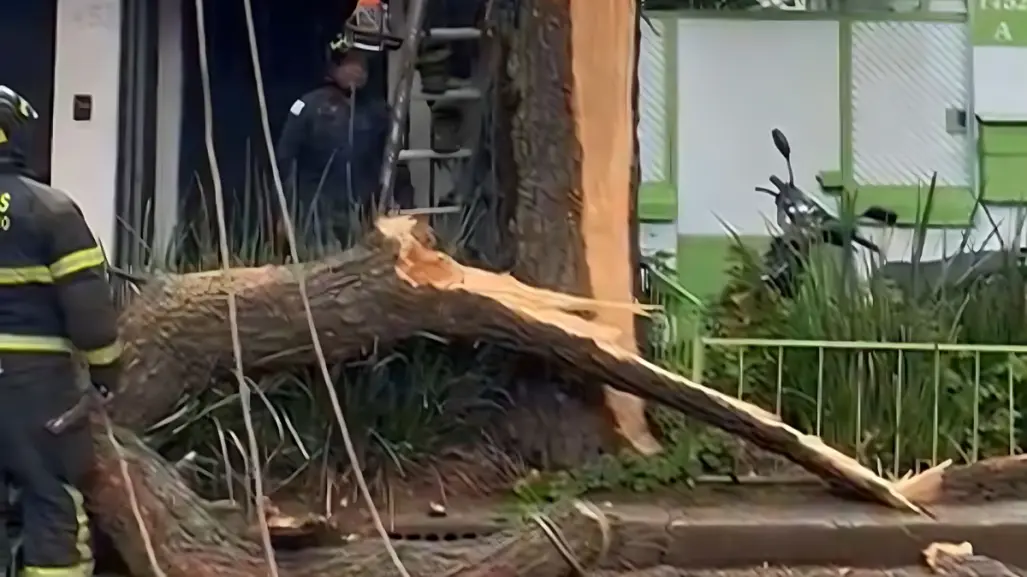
x=395 y=152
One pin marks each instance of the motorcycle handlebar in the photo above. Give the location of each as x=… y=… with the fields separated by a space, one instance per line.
x=856 y=238
x=778 y=183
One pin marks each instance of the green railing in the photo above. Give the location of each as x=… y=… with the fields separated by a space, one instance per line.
x=894 y=406
x=675 y=330
x=900 y=405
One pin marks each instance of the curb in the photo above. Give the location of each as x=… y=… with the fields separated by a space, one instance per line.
x=843 y=534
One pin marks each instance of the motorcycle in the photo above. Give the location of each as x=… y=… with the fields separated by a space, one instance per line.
x=804 y=225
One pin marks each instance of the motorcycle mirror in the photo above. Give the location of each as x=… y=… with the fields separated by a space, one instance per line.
x=882 y=215
x=781 y=143
x=786 y=151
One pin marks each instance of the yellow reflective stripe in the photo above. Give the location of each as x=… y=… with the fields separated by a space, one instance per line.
x=3 y=136
x=80 y=570
x=77 y=261
x=34 y=344
x=25 y=275
x=103 y=355
x=83 y=537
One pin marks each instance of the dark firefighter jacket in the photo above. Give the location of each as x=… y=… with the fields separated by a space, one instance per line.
x=54 y=295
x=332 y=147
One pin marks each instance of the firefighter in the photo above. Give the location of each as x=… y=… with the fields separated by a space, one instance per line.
x=55 y=309
x=331 y=149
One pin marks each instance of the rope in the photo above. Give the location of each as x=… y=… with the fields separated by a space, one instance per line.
x=290 y=232
x=233 y=313
x=555 y=535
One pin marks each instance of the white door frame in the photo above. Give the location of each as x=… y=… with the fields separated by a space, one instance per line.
x=84 y=154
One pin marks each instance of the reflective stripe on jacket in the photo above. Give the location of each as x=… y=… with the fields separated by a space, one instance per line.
x=54 y=294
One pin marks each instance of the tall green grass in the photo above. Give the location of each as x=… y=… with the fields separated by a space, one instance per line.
x=422 y=410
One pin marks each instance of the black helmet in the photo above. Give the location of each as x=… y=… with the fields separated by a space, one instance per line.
x=15 y=112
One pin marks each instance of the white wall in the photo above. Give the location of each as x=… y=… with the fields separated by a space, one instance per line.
x=1000 y=80
x=654 y=130
x=738 y=81
x=85 y=153
x=905 y=77
x=898 y=244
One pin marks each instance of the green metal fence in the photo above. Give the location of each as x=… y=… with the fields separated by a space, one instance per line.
x=900 y=406
x=676 y=328
x=894 y=406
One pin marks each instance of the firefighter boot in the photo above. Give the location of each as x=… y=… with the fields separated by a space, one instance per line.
x=447 y=125
x=8 y=532
x=432 y=65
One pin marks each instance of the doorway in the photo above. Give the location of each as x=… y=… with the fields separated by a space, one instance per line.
x=292 y=39
x=27 y=39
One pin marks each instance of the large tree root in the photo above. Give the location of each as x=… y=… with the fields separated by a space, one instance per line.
x=391 y=288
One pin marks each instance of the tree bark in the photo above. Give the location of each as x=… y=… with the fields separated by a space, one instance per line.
x=958 y=560
x=388 y=289
x=575 y=152
x=188 y=541
x=995 y=479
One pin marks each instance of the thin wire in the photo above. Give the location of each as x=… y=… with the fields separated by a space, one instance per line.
x=233 y=313
x=347 y=440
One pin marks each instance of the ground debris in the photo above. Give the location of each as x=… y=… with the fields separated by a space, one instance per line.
x=958 y=560
x=769 y=571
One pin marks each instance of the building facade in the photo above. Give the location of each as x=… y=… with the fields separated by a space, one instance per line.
x=874 y=99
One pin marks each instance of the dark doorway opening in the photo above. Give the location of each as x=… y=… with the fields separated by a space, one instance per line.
x=27 y=37
x=292 y=38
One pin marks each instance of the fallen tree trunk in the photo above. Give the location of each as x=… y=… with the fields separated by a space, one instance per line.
x=394 y=286
x=995 y=479
x=188 y=541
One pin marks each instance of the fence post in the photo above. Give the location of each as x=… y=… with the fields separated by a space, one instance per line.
x=698 y=354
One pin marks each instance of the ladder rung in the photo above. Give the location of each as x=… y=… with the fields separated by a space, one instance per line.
x=453 y=94
x=454 y=33
x=426 y=154
x=431 y=210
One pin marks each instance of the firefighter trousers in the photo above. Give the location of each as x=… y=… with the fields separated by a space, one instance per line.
x=44 y=469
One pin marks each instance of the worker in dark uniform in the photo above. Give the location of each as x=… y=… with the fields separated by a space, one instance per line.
x=55 y=308
x=332 y=146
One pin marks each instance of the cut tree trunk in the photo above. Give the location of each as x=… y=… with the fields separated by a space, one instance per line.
x=995 y=479
x=575 y=153
x=958 y=560
x=393 y=287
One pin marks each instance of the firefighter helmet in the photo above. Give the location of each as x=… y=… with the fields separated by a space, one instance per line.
x=15 y=112
x=367 y=28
